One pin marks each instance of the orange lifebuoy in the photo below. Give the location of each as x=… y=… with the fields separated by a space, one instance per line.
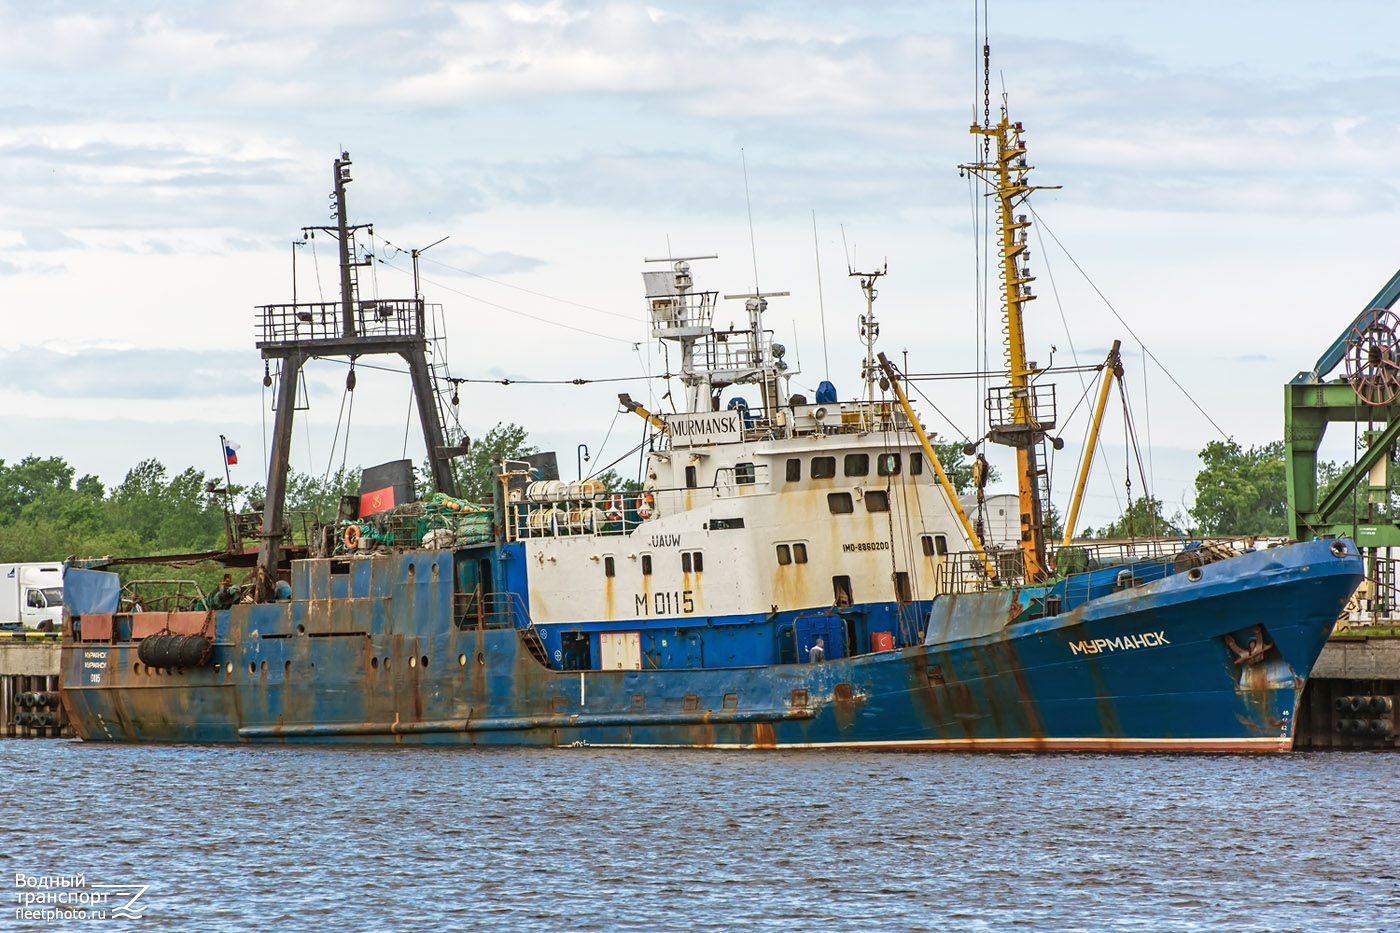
x=645 y=503
x=351 y=537
x=614 y=508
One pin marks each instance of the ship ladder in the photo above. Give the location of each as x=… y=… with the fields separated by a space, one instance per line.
x=531 y=640
x=1042 y=481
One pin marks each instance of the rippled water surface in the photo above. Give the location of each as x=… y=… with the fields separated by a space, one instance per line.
x=330 y=838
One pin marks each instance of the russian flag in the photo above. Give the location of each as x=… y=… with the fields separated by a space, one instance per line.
x=231 y=449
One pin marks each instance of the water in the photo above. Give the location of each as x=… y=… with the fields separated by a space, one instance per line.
x=331 y=838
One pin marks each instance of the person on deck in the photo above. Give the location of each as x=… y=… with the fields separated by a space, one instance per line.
x=817 y=654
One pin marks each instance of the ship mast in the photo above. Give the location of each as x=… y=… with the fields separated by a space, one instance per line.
x=1021 y=412
x=296 y=333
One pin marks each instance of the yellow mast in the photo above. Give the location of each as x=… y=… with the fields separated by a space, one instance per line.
x=932 y=456
x=1113 y=366
x=1023 y=427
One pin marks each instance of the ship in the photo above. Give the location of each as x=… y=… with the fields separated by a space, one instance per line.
x=793 y=572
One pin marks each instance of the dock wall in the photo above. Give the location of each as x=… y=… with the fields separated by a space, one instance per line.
x=29 y=690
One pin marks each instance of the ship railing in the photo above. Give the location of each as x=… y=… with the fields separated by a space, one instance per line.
x=675 y=315
x=1087 y=569
x=854 y=417
x=323 y=321
x=1010 y=407
x=490 y=610
x=620 y=513
x=245 y=529
x=1376 y=604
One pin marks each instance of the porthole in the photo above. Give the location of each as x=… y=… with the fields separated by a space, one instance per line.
x=374 y=664
x=252 y=667
x=301 y=630
x=287 y=670
x=480 y=658
x=228 y=668
x=461 y=660
x=423 y=661
x=412 y=661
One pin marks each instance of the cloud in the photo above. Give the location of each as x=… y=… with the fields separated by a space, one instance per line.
x=104 y=373
x=48 y=239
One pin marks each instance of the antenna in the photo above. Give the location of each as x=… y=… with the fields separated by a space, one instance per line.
x=418 y=292
x=821 y=300
x=753 y=248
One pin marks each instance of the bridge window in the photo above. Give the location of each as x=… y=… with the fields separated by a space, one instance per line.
x=934 y=545
x=609 y=566
x=794 y=470
x=823 y=467
x=792 y=553
x=887 y=464
x=857 y=464
x=743 y=473
x=692 y=479
x=877 y=500
x=916 y=463
x=646 y=565
x=840 y=503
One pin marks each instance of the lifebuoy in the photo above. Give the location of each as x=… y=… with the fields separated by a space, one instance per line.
x=645 y=503
x=351 y=537
x=614 y=508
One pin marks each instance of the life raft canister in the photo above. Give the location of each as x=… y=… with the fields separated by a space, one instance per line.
x=614 y=508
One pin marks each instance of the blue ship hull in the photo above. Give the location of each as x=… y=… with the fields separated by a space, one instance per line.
x=1213 y=659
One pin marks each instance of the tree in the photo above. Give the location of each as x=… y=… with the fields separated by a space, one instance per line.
x=1142 y=519
x=1241 y=491
x=475 y=471
x=611 y=481
x=1054 y=523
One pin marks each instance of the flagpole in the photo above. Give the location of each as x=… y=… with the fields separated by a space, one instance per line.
x=228 y=495
x=223 y=455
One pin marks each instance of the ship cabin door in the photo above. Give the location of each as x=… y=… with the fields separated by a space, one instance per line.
x=828 y=627
x=576 y=651
x=474 y=604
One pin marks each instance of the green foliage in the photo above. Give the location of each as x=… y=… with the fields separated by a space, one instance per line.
x=958 y=466
x=321 y=497
x=1241 y=491
x=1143 y=519
x=613 y=482
x=475 y=470
x=1054 y=523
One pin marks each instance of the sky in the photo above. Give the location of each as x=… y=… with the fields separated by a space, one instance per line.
x=1226 y=207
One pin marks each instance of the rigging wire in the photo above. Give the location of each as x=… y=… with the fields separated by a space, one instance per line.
x=504 y=284
x=510 y=310
x=753 y=246
x=957 y=430
x=1114 y=311
x=604 y=446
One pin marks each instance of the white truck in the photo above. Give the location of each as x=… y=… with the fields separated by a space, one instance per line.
x=30 y=595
